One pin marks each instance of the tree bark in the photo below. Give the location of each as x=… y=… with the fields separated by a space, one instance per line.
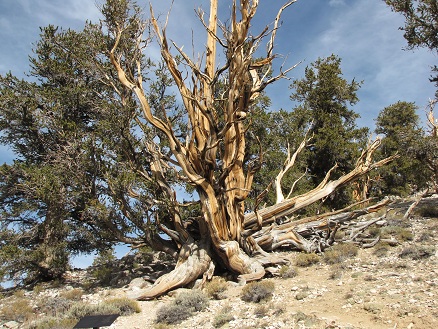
x=212 y=157
x=193 y=261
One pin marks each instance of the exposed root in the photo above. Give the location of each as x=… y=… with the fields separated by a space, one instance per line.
x=371 y=244
x=251 y=261
x=249 y=269
x=194 y=261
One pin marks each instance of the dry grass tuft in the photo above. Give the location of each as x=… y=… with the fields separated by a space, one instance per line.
x=73 y=294
x=257 y=291
x=224 y=316
x=49 y=322
x=287 y=272
x=79 y=310
x=216 y=288
x=306 y=260
x=18 y=310
x=183 y=307
x=340 y=252
x=124 y=306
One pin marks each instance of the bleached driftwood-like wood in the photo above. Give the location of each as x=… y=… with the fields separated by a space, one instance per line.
x=432 y=121
x=288 y=164
x=212 y=156
x=300 y=233
x=289 y=206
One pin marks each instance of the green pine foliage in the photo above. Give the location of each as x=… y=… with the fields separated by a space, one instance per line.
x=71 y=186
x=324 y=100
x=399 y=126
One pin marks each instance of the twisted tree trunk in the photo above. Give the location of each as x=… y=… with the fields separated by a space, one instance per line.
x=212 y=157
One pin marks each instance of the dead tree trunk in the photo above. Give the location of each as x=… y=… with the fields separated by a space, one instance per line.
x=211 y=157
x=431 y=159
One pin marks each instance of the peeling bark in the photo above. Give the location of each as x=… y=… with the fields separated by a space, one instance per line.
x=211 y=158
x=194 y=260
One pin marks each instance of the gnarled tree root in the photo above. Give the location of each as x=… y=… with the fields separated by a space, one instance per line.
x=193 y=262
x=249 y=269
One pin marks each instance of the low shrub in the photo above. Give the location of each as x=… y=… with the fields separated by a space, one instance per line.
x=417 y=252
x=398 y=232
x=425 y=236
x=216 y=288
x=224 y=316
x=381 y=250
x=336 y=272
x=172 y=314
x=183 y=307
x=301 y=295
x=340 y=252
x=55 y=307
x=374 y=232
x=307 y=259
x=307 y=320
x=257 y=291
x=372 y=308
x=79 y=310
x=428 y=211
x=287 y=272
x=121 y=306
x=194 y=300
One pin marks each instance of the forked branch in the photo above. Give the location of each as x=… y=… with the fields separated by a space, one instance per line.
x=289 y=206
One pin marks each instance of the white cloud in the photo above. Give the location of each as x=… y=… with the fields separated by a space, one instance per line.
x=54 y=11
x=365 y=35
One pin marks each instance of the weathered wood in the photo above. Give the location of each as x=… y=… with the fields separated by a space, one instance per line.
x=194 y=260
x=290 y=206
x=299 y=233
x=212 y=156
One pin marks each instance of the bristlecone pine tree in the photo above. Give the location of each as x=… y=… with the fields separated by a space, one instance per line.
x=421 y=31
x=211 y=158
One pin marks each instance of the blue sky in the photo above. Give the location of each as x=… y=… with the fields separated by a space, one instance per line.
x=364 y=33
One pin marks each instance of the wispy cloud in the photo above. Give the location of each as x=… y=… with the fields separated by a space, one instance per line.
x=59 y=11
x=365 y=35
x=20 y=21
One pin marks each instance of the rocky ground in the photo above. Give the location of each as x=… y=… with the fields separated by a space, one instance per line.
x=381 y=287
